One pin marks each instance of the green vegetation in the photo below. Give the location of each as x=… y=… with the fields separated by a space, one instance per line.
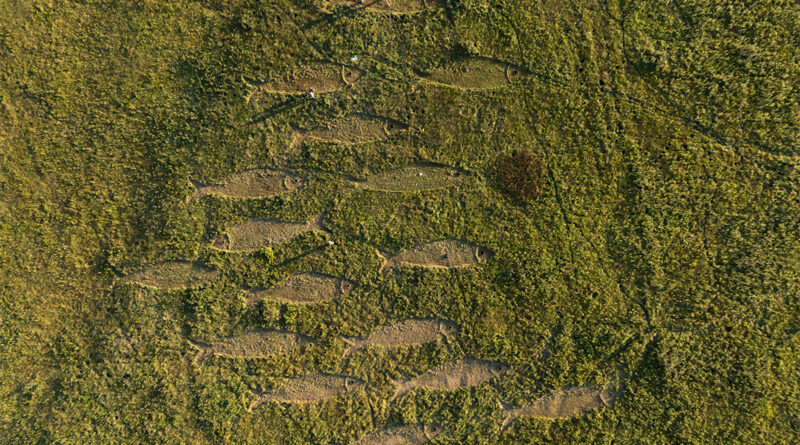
x=662 y=254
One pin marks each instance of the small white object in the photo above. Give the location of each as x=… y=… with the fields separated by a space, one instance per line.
x=330 y=243
x=354 y=59
x=419 y=174
x=311 y=95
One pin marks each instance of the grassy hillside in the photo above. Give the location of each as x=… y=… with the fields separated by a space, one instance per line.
x=661 y=256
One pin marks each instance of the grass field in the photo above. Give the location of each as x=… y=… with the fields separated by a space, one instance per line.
x=659 y=256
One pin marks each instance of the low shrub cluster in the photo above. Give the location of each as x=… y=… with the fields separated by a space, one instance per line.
x=521 y=175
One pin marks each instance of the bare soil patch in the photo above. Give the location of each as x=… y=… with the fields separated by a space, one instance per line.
x=402 y=435
x=250 y=184
x=415 y=177
x=566 y=402
x=323 y=77
x=303 y=288
x=256 y=234
x=454 y=375
x=173 y=275
x=387 y=6
x=308 y=389
x=476 y=74
x=355 y=129
x=412 y=332
x=445 y=253
x=254 y=344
